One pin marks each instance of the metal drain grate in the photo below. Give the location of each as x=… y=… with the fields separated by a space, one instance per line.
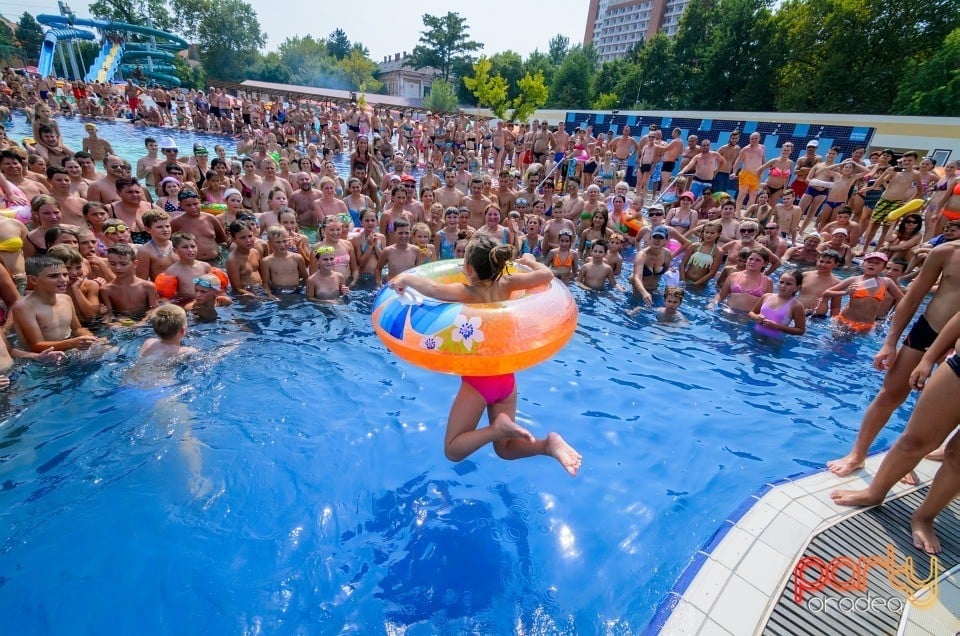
x=864 y=534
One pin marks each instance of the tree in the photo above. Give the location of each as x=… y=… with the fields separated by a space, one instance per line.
x=557 y=49
x=444 y=43
x=191 y=75
x=606 y=101
x=572 y=86
x=539 y=62
x=533 y=95
x=30 y=35
x=741 y=37
x=932 y=87
x=489 y=89
x=136 y=12
x=360 y=70
x=509 y=66
x=6 y=35
x=690 y=47
x=442 y=98
x=338 y=44
x=270 y=68
x=230 y=38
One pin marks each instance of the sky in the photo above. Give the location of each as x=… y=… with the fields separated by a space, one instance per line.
x=388 y=27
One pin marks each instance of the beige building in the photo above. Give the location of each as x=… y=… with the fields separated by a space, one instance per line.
x=405 y=81
x=616 y=26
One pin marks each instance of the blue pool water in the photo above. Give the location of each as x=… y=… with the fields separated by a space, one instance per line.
x=322 y=503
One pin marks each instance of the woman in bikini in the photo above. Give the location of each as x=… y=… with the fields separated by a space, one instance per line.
x=167 y=191
x=649 y=264
x=683 y=217
x=492 y=227
x=701 y=262
x=248 y=182
x=780 y=170
x=356 y=201
x=940 y=192
x=741 y=290
x=329 y=205
x=344 y=255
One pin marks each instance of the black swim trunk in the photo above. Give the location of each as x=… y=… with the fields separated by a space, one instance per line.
x=215 y=111
x=353 y=128
x=644 y=168
x=921 y=336
x=954 y=363
x=668 y=166
x=246 y=119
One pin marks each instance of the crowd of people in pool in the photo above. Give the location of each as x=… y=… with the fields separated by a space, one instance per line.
x=188 y=235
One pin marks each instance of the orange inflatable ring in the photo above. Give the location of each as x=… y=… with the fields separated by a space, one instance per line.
x=474 y=339
x=214 y=208
x=168 y=285
x=632 y=226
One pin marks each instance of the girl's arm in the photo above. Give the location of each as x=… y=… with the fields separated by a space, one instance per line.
x=713 y=272
x=754 y=313
x=723 y=293
x=445 y=292
x=683 y=264
x=539 y=274
x=840 y=289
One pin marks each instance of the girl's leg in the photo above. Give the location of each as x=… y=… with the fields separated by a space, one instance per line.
x=503 y=413
x=463 y=438
x=945 y=487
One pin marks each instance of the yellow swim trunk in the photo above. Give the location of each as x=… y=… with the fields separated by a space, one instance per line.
x=749 y=180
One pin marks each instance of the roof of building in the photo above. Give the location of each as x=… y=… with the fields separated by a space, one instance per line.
x=331 y=94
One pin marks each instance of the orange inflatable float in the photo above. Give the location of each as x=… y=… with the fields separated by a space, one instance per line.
x=474 y=339
x=168 y=285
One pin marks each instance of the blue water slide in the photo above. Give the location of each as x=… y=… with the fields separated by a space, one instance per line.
x=107 y=63
x=59 y=20
x=49 y=45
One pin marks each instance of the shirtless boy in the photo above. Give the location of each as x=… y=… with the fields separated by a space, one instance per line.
x=901 y=184
x=156 y=255
x=243 y=262
x=282 y=270
x=817 y=281
x=400 y=256
x=205 y=227
x=595 y=273
x=84 y=292
x=170 y=324
x=45 y=317
x=126 y=294
x=326 y=284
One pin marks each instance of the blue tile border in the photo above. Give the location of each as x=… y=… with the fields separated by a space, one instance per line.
x=674 y=596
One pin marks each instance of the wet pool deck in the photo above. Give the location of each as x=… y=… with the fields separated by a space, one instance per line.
x=740 y=582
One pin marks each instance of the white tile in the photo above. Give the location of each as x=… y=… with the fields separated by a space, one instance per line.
x=824 y=507
x=685 y=619
x=763 y=567
x=707 y=585
x=740 y=607
x=776 y=498
x=710 y=629
x=733 y=546
x=804 y=515
x=757 y=518
x=815 y=483
x=791 y=490
x=786 y=535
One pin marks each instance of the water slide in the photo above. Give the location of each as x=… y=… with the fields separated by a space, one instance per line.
x=106 y=66
x=49 y=46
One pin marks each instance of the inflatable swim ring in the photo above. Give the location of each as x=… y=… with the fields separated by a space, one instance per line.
x=167 y=285
x=910 y=206
x=214 y=208
x=474 y=339
x=22 y=213
x=631 y=226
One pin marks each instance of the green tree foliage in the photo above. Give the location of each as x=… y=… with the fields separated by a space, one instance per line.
x=6 y=35
x=690 y=45
x=270 y=68
x=136 y=12
x=442 y=98
x=606 y=101
x=30 y=35
x=572 y=85
x=338 y=44
x=539 y=62
x=229 y=38
x=360 y=71
x=557 y=49
x=932 y=87
x=509 y=66
x=532 y=95
x=741 y=37
x=444 y=44
x=489 y=89
x=191 y=75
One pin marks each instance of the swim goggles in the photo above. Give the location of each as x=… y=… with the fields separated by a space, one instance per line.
x=325 y=249
x=113 y=229
x=203 y=282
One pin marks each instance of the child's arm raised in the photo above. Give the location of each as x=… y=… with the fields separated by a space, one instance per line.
x=539 y=274
x=445 y=292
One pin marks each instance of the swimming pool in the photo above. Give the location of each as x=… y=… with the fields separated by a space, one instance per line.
x=324 y=503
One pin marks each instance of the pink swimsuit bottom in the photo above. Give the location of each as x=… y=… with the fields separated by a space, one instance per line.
x=492 y=388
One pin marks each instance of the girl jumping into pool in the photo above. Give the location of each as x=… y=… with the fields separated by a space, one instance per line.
x=484 y=265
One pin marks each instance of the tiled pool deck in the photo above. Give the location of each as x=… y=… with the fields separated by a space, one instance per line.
x=736 y=579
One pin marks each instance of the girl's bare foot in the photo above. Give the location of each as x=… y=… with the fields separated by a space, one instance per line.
x=844 y=466
x=563 y=453
x=506 y=428
x=855 y=498
x=924 y=537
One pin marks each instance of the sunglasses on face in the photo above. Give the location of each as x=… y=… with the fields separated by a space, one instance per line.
x=748 y=231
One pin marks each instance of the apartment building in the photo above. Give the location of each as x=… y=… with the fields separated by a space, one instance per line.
x=615 y=26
